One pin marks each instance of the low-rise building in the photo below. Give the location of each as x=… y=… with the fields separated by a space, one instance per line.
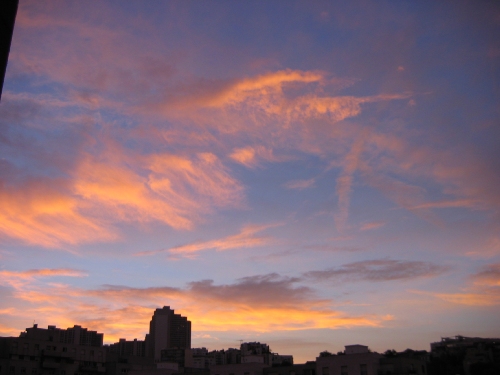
x=409 y=362
x=308 y=368
x=53 y=351
x=250 y=368
x=355 y=360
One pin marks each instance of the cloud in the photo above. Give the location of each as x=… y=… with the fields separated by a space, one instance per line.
x=483 y=291
x=261 y=303
x=300 y=184
x=378 y=270
x=44 y=272
x=372 y=225
x=345 y=180
x=472 y=298
x=468 y=203
x=106 y=190
x=43 y=212
x=257 y=304
x=246 y=238
x=19 y=279
x=487 y=250
x=488 y=276
x=251 y=156
x=175 y=190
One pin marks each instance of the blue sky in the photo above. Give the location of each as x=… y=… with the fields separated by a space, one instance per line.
x=305 y=174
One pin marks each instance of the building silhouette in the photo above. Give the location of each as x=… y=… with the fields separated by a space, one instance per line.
x=167 y=351
x=53 y=351
x=167 y=330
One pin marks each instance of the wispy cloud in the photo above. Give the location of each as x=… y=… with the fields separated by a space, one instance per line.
x=18 y=279
x=378 y=270
x=483 y=289
x=300 y=184
x=246 y=238
x=252 y=156
x=345 y=181
x=372 y=225
x=488 y=276
x=489 y=249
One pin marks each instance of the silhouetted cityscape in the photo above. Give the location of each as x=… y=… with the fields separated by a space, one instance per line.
x=166 y=350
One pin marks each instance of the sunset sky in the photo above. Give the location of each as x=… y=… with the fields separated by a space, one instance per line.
x=308 y=174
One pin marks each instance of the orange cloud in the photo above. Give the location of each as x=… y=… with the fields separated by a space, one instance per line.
x=255 y=304
x=262 y=85
x=246 y=238
x=40 y=214
x=176 y=190
x=488 y=276
x=44 y=272
x=251 y=156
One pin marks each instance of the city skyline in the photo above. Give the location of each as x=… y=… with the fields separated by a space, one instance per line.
x=305 y=174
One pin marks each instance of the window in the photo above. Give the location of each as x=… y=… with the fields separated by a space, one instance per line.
x=12 y=369
x=23 y=370
x=34 y=371
x=324 y=371
x=343 y=370
x=363 y=369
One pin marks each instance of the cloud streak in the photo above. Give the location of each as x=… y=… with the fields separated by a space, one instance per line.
x=378 y=270
x=246 y=238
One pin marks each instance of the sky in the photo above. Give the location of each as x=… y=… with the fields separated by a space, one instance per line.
x=308 y=174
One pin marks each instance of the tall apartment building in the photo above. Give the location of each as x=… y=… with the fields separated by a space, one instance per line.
x=167 y=330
